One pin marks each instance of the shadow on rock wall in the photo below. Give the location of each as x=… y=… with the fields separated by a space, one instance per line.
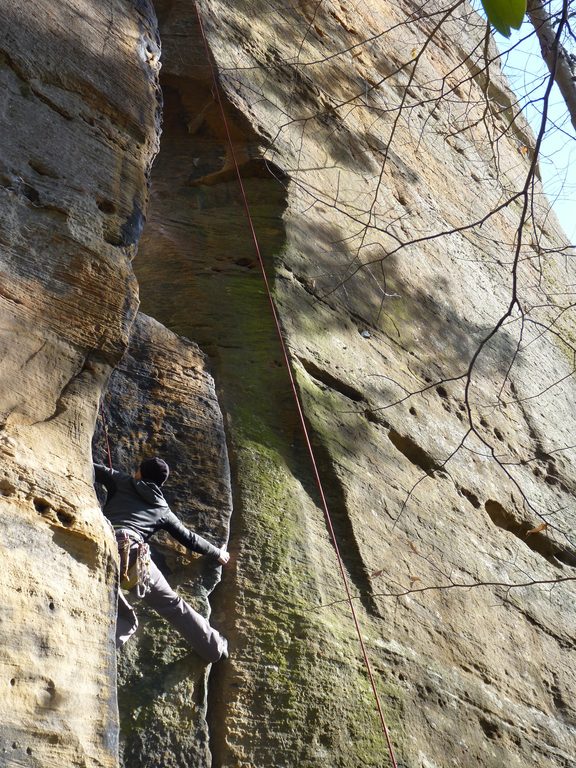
x=161 y=401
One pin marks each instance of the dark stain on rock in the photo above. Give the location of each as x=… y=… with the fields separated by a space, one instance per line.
x=539 y=542
x=413 y=452
x=133 y=226
x=82 y=549
x=324 y=377
x=471 y=497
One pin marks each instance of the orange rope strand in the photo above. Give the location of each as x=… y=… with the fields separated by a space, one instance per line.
x=297 y=398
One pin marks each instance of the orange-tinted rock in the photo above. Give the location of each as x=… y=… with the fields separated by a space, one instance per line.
x=382 y=323
x=382 y=314
x=161 y=401
x=79 y=125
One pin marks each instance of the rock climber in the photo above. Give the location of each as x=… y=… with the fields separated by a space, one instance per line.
x=137 y=509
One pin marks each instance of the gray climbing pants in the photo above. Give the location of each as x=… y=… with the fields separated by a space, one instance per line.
x=204 y=639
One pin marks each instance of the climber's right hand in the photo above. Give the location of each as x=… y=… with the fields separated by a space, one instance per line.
x=224 y=556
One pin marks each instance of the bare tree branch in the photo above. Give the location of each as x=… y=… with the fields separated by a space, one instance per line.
x=559 y=61
x=458 y=585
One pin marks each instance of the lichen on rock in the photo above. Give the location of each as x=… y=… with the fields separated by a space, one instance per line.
x=378 y=209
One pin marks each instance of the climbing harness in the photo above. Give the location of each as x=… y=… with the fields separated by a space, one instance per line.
x=135 y=574
x=328 y=518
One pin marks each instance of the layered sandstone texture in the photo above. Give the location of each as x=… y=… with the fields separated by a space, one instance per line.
x=79 y=123
x=433 y=352
x=161 y=401
x=387 y=177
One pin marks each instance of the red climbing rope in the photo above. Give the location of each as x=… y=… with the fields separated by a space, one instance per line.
x=296 y=396
x=105 y=430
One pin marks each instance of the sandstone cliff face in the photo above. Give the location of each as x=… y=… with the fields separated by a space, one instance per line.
x=433 y=478
x=381 y=348
x=164 y=692
x=79 y=124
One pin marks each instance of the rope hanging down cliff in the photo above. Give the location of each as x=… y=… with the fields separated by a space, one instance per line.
x=218 y=95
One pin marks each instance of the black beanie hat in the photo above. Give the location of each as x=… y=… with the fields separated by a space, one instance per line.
x=156 y=470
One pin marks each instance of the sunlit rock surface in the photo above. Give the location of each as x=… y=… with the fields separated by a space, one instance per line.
x=383 y=315
x=161 y=401
x=79 y=123
x=371 y=199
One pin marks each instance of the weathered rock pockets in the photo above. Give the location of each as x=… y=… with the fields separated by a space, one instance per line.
x=381 y=351
x=378 y=362
x=80 y=128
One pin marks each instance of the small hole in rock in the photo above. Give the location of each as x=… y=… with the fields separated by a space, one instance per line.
x=106 y=206
x=6 y=487
x=442 y=391
x=31 y=194
x=42 y=506
x=113 y=239
x=413 y=411
x=13 y=681
x=491 y=730
x=65 y=517
x=498 y=434
x=42 y=169
x=51 y=605
x=483 y=423
x=28 y=750
x=413 y=452
x=472 y=498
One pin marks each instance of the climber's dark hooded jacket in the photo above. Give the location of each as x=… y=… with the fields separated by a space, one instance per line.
x=139 y=506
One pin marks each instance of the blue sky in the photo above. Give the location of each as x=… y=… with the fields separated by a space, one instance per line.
x=528 y=74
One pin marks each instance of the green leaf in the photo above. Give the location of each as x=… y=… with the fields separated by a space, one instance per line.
x=505 y=14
